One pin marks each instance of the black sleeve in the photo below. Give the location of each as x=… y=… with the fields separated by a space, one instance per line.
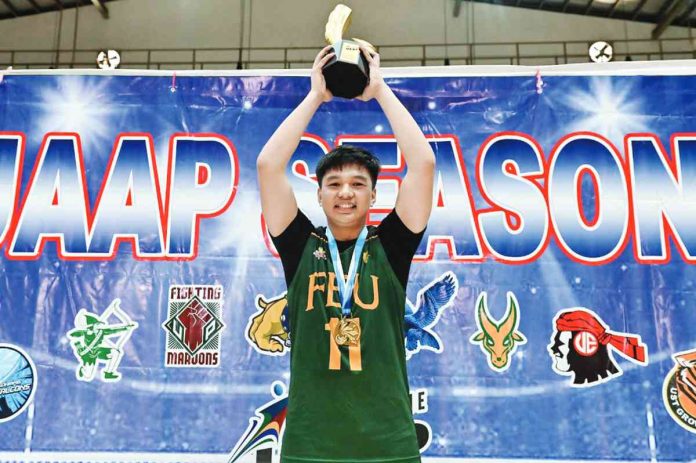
x=399 y=243
x=291 y=242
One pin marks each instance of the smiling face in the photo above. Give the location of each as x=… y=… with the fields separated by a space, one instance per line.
x=345 y=195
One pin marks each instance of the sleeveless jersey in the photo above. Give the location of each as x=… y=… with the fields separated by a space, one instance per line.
x=347 y=403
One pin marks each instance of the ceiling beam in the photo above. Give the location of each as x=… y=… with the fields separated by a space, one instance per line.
x=11 y=7
x=457 y=8
x=589 y=7
x=102 y=8
x=565 y=5
x=664 y=7
x=615 y=7
x=35 y=5
x=636 y=10
x=685 y=19
x=668 y=16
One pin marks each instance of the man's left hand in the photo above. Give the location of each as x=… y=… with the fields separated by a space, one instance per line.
x=376 y=82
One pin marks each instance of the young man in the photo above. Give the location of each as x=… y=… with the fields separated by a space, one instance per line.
x=348 y=397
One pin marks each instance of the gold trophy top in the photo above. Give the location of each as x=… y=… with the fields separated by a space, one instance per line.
x=337 y=25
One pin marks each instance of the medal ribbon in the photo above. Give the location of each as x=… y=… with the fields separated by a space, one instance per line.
x=345 y=286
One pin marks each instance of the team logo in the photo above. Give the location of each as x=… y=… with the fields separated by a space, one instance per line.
x=498 y=339
x=420 y=320
x=194 y=326
x=264 y=434
x=268 y=329
x=679 y=390
x=581 y=347
x=265 y=428
x=17 y=381
x=419 y=405
x=99 y=339
x=320 y=254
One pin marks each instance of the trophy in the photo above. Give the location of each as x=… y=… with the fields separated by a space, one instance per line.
x=348 y=72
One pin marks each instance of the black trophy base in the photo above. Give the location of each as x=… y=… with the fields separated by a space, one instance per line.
x=344 y=79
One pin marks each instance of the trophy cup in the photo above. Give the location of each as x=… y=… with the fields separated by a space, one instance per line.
x=348 y=72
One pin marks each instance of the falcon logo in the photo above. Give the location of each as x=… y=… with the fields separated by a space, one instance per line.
x=679 y=390
x=194 y=325
x=581 y=346
x=420 y=320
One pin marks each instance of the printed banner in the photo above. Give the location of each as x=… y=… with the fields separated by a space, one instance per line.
x=549 y=313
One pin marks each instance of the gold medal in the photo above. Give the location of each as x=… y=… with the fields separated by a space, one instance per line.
x=347 y=332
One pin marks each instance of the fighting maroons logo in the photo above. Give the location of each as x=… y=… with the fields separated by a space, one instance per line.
x=679 y=390
x=581 y=347
x=194 y=326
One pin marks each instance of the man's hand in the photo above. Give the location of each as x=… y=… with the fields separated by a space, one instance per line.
x=318 y=82
x=278 y=202
x=376 y=83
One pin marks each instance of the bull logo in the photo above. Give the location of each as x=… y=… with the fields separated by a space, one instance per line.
x=498 y=339
x=268 y=329
x=679 y=390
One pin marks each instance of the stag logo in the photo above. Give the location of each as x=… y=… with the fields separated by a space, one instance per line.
x=679 y=390
x=498 y=339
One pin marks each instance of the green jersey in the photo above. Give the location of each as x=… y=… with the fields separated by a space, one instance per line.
x=348 y=402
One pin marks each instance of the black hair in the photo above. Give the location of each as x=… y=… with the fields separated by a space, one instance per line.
x=345 y=155
x=590 y=369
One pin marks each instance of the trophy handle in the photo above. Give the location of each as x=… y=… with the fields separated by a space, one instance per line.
x=366 y=44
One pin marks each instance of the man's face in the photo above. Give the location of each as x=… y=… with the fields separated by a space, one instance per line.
x=559 y=350
x=346 y=195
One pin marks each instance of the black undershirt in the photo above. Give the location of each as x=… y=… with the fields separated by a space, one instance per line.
x=398 y=241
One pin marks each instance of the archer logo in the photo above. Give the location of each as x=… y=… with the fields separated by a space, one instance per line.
x=193 y=326
x=99 y=340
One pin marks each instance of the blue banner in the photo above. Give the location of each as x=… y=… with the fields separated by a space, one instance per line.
x=548 y=315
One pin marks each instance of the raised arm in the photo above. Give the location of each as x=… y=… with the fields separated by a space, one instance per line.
x=415 y=199
x=277 y=198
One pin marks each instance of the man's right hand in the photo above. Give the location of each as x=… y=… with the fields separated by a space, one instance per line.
x=318 y=82
x=278 y=202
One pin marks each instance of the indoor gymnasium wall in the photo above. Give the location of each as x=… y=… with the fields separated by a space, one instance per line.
x=157 y=24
